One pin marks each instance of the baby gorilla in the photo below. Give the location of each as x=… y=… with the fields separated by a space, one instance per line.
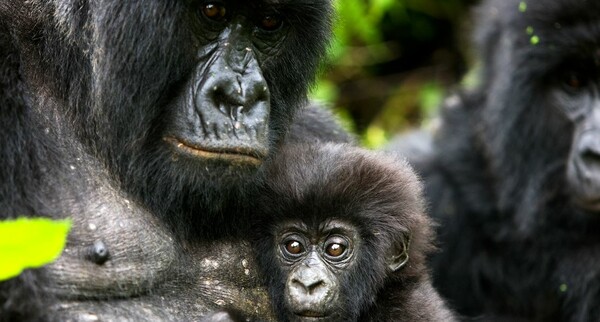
x=342 y=235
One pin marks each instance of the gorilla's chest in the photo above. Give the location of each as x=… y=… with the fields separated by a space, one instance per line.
x=122 y=263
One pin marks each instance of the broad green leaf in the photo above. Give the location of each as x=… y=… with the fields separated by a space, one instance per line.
x=30 y=243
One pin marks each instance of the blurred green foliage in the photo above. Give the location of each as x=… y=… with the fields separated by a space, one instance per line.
x=390 y=63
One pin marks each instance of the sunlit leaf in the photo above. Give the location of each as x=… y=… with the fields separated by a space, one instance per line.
x=375 y=137
x=523 y=6
x=30 y=243
x=325 y=91
x=354 y=15
x=379 y=8
x=431 y=96
x=529 y=30
x=473 y=78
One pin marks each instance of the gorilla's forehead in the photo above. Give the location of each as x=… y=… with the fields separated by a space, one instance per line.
x=300 y=3
x=513 y=14
x=563 y=28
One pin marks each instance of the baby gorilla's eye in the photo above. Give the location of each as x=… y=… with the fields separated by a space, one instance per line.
x=294 y=247
x=271 y=22
x=335 y=250
x=214 y=11
x=336 y=247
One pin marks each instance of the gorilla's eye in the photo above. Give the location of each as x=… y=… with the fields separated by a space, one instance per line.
x=214 y=11
x=574 y=81
x=271 y=22
x=336 y=247
x=294 y=247
x=335 y=250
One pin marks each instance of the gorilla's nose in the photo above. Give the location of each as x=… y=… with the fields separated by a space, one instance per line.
x=237 y=93
x=309 y=287
x=246 y=92
x=589 y=148
x=583 y=169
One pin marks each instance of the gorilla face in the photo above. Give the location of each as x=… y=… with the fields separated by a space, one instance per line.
x=543 y=65
x=576 y=92
x=179 y=98
x=315 y=263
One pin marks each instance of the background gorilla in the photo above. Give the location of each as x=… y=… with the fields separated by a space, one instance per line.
x=514 y=176
x=342 y=235
x=146 y=123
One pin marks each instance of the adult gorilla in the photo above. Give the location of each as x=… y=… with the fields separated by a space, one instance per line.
x=514 y=174
x=145 y=122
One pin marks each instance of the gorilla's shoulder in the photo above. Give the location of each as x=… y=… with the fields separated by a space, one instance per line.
x=316 y=123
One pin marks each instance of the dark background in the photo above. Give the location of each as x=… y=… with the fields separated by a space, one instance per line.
x=392 y=63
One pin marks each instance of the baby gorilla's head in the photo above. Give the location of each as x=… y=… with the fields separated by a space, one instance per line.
x=336 y=226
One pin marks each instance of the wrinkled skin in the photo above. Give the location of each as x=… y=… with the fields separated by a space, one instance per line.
x=147 y=123
x=513 y=173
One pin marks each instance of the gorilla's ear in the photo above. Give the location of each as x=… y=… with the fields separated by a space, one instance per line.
x=398 y=256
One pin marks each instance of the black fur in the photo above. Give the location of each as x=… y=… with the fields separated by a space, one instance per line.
x=377 y=193
x=22 y=298
x=115 y=108
x=87 y=89
x=514 y=244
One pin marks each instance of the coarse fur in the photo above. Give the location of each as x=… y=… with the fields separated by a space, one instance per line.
x=88 y=90
x=377 y=193
x=514 y=242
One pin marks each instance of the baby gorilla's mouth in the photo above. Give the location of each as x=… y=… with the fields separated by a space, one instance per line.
x=241 y=155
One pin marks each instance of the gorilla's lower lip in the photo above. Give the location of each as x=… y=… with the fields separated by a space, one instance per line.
x=311 y=315
x=242 y=155
x=589 y=205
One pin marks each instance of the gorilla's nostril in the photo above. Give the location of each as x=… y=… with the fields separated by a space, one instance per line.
x=308 y=287
x=314 y=286
x=235 y=99
x=590 y=156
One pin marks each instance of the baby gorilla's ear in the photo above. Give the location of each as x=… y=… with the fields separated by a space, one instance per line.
x=398 y=255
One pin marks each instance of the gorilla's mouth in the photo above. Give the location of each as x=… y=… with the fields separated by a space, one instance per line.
x=232 y=155
x=584 y=181
x=588 y=204
x=311 y=315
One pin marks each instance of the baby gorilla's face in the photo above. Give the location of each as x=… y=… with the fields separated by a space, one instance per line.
x=315 y=260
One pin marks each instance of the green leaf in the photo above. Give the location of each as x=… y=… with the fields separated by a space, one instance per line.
x=529 y=30
x=30 y=243
x=325 y=91
x=431 y=97
x=374 y=137
x=523 y=6
x=563 y=288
